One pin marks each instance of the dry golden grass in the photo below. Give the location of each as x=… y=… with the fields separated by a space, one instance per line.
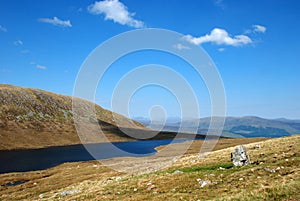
x=32 y=118
x=96 y=182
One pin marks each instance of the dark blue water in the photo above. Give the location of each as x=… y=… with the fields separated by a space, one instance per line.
x=39 y=159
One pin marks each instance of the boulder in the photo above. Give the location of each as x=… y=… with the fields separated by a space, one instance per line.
x=239 y=156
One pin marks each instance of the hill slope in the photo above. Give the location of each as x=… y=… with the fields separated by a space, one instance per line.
x=32 y=118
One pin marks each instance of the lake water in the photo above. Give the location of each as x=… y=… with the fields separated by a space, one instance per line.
x=39 y=159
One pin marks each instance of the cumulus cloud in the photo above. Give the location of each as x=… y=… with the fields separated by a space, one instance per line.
x=3 y=29
x=56 y=21
x=116 y=11
x=41 y=67
x=220 y=37
x=259 y=29
x=180 y=46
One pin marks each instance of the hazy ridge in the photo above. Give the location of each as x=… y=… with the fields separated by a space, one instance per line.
x=247 y=126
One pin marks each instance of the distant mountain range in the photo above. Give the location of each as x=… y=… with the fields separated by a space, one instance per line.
x=248 y=126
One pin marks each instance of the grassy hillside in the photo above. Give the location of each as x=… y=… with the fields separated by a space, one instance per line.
x=32 y=118
x=274 y=174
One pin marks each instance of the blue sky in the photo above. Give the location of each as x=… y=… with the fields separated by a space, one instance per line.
x=254 y=44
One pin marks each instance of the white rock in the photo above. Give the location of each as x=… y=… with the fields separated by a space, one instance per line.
x=203 y=182
x=70 y=192
x=177 y=172
x=239 y=156
x=257 y=146
x=209 y=175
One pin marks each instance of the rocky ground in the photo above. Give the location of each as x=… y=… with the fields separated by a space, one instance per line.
x=273 y=174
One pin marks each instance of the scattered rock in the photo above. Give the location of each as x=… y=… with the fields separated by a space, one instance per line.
x=70 y=192
x=135 y=189
x=255 y=162
x=239 y=156
x=230 y=180
x=41 y=196
x=30 y=114
x=209 y=175
x=177 y=172
x=270 y=170
x=150 y=187
x=257 y=146
x=203 y=182
x=221 y=168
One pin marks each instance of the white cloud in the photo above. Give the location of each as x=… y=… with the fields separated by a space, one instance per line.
x=220 y=37
x=56 y=21
x=3 y=29
x=219 y=3
x=116 y=11
x=259 y=29
x=41 y=67
x=221 y=49
x=179 y=46
x=256 y=29
x=18 y=42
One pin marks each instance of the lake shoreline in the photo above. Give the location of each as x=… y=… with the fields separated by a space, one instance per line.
x=42 y=159
x=198 y=136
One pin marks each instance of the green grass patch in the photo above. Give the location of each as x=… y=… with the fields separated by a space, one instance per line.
x=203 y=168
